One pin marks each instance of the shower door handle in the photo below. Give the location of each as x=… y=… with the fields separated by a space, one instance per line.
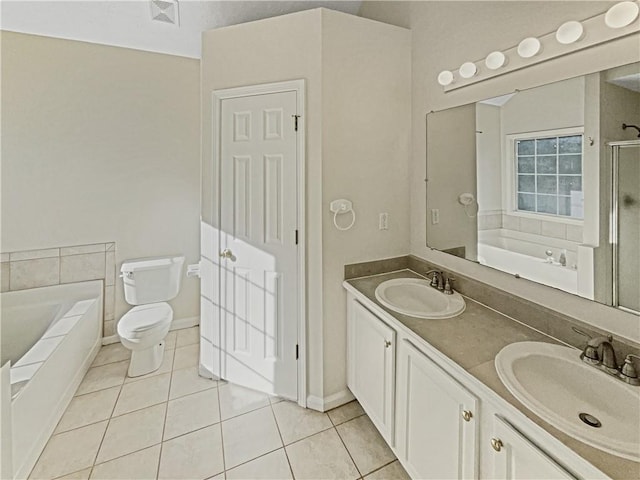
x=228 y=254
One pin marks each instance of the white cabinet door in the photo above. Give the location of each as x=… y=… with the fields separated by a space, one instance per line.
x=436 y=423
x=515 y=457
x=371 y=366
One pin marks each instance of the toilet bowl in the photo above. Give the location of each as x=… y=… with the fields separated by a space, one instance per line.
x=148 y=283
x=143 y=330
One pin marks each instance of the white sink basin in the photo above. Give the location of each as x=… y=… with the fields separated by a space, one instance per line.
x=555 y=384
x=417 y=298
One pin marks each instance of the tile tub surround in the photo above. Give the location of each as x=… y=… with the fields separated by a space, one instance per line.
x=54 y=266
x=472 y=340
x=174 y=424
x=524 y=311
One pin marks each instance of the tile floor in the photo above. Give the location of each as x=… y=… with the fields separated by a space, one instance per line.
x=173 y=424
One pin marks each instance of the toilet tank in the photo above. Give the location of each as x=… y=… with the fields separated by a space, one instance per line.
x=151 y=280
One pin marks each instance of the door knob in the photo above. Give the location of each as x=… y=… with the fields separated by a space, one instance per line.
x=496 y=443
x=387 y=344
x=466 y=415
x=226 y=253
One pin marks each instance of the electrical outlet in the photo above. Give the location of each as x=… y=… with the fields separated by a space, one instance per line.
x=435 y=216
x=383 y=223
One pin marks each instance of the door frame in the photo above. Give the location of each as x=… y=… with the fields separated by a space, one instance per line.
x=297 y=86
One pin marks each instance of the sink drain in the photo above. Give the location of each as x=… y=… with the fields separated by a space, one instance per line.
x=590 y=420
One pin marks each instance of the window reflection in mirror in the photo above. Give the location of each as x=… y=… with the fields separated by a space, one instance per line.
x=539 y=164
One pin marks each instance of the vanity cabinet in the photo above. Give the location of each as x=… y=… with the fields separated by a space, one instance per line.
x=437 y=419
x=514 y=456
x=371 y=366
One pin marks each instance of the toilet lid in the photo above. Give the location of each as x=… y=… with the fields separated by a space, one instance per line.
x=145 y=317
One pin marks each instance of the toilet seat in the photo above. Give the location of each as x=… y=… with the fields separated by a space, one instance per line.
x=140 y=320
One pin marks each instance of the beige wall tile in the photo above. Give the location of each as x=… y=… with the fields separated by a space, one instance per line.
x=109 y=302
x=34 y=273
x=510 y=222
x=4 y=276
x=82 y=249
x=574 y=233
x=109 y=328
x=553 y=229
x=530 y=225
x=33 y=254
x=110 y=268
x=78 y=268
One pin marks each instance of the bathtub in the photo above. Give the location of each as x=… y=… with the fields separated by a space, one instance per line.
x=50 y=336
x=524 y=254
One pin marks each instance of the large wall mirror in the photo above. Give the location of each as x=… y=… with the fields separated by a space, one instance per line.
x=544 y=184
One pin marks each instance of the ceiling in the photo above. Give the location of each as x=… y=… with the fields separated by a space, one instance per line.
x=129 y=23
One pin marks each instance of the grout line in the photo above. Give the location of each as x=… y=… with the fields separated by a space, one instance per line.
x=224 y=461
x=166 y=413
x=282 y=440
x=383 y=466
x=349 y=453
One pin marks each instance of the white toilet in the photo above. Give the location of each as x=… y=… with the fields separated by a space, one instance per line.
x=148 y=283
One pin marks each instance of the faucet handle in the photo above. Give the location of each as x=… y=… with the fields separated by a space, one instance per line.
x=590 y=353
x=628 y=372
x=434 y=279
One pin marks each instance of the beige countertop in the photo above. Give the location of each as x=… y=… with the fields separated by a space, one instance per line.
x=472 y=340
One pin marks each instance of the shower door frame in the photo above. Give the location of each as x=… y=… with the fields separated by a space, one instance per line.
x=614 y=214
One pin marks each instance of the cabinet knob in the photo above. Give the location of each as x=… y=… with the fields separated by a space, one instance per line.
x=387 y=344
x=466 y=414
x=496 y=443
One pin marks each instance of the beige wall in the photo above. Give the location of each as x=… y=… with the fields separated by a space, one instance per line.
x=446 y=34
x=100 y=144
x=357 y=77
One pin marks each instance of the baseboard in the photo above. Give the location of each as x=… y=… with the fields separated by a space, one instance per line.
x=178 y=324
x=187 y=322
x=322 y=404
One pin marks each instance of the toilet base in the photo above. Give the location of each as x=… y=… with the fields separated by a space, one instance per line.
x=146 y=361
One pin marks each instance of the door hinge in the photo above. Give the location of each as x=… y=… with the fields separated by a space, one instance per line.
x=296 y=237
x=295 y=122
x=297 y=352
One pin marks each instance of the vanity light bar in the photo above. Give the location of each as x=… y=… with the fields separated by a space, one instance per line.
x=617 y=22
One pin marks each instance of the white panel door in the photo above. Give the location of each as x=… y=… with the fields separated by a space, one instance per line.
x=516 y=458
x=259 y=270
x=436 y=438
x=371 y=369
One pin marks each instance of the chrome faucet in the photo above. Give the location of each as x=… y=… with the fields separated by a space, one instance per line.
x=436 y=279
x=599 y=352
x=439 y=281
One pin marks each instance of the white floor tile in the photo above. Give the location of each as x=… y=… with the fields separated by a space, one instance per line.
x=137 y=395
x=236 y=400
x=345 y=412
x=367 y=448
x=321 y=456
x=170 y=339
x=393 y=471
x=197 y=455
x=188 y=336
x=69 y=451
x=115 y=352
x=105 y=376
x=90 y=408
x=79 y=475
x=132 y=432
x=141 y=465
x=296 y=423
x=186 y=414
x=186 y=381
x=272 y=466
x=186 y=356
x=249 y=436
